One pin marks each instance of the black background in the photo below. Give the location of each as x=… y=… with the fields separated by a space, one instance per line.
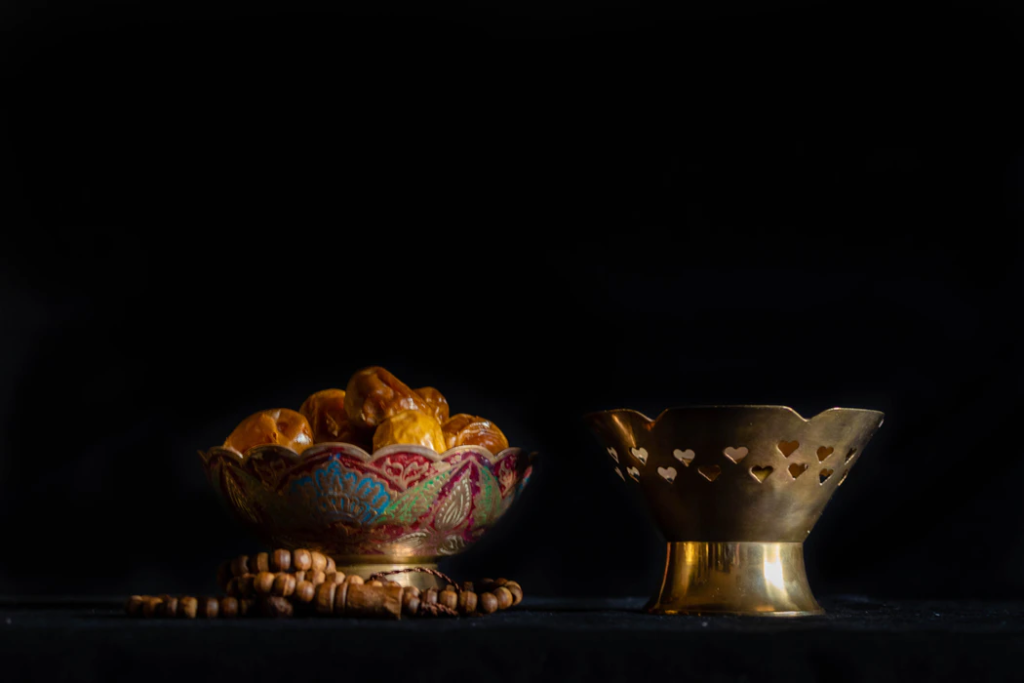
x=541 y=209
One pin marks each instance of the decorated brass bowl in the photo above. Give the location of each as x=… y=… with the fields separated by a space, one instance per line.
x=735 y=490
x=401 y=506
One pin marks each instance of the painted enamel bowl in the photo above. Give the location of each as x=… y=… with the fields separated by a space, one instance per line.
x=401 y=506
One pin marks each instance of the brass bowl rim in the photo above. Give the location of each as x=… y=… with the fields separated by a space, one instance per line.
x=678 y=409
x=352 y=449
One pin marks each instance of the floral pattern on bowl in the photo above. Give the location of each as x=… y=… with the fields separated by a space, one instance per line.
x=403 y=503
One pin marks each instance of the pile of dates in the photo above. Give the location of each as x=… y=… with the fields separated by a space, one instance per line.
x=376 y=409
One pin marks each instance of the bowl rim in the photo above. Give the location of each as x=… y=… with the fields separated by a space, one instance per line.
x=685 y=408
x=353 y=449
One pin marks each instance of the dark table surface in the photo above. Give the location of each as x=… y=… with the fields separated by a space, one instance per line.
x=543 y=639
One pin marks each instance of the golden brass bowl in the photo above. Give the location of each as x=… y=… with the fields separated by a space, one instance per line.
x=735 y=490
x=401 y=506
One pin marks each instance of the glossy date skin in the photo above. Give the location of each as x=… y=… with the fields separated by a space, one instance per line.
x=410 y=427
x=279 y=426
x=374 y=394
x=325 y=411
x=470 y=430
x=437 y=402
x=375 y=410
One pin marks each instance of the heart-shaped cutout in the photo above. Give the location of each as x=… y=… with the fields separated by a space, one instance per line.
x=796 y=469
x=640 y=454
x=760 y=473
x=621 y=475
x=824 y=452
x=824 y=475
x=845 y=475
x=736 y=454
x=849 y=456
x=614 y=453
x=788 y=448
x=667 y=473
x=633 y=472
x=709 y=472
x=685 y=457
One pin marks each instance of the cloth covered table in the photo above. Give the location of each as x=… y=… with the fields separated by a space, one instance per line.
x=541 y=640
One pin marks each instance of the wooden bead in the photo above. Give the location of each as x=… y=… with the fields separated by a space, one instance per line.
x=468 y=586
x=264 y=583
x=245 y=606
x=188 y=607
x=355 y=579
x=134 y=606
x=450 y=599
x=391 y=582
x=498 y=583
x=299 y=576
x=224 y=574
x=149 y=605
x=504 y=597
x=485 y=584
x=487 y=603
x=376 y=582
x=284 y=585
x=331 y=567
x=335 y=578
x=340 y=596
x=302 y=559
x=247 y=585
x=208 y=607
x=324 y=600
x=319 y=561
x=260 y=563
x=160 y=609
x=305 y=591
x=169 y=608
x=228 y=608
x=280 y=560
x=276 y=607
x=240 y=565
x=467 y=602
x=452 y=588
x=516 y=590
x=429 y=597
x=382 y=602
x=317 y=577
x=411 y=591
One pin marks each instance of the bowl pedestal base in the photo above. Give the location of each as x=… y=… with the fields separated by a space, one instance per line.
x=420 y=580
x=760 y=579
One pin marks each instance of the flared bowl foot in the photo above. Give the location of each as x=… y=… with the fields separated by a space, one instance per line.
x=757 y=579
